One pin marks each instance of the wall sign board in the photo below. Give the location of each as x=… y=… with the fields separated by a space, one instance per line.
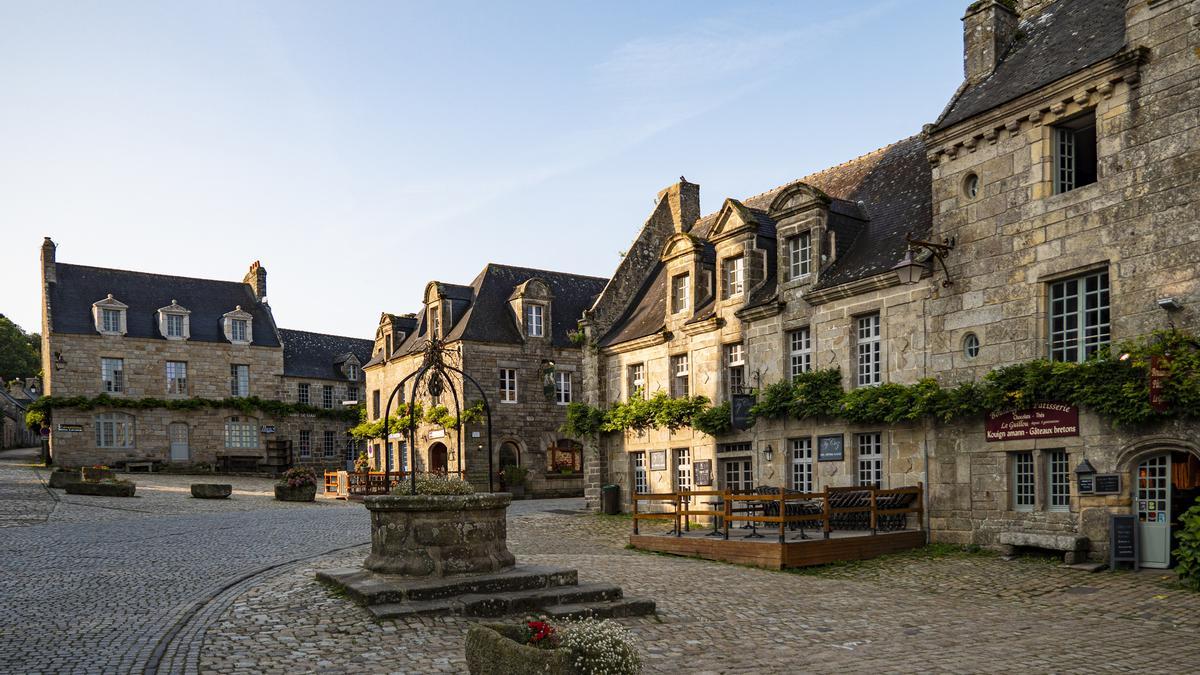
x=740 y=405
x=1086 y=484
x=71 y=428
x=1122 y=540
x=703 y=472
x=1042 y=420
x=830 y=448
x=1108 y=484
x=658 y=460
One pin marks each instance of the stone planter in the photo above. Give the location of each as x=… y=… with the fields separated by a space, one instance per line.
x=93 y=474
x=517 y=491
x=211 y=490
x=439 y=535
x=123 y=489
x=60 y=478
x=492 y=649
x=303 y=493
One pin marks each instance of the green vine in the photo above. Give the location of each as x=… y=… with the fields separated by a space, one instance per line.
x=248 y=405
x=401 y=421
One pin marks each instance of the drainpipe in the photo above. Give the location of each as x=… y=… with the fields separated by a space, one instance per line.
x=925 y=423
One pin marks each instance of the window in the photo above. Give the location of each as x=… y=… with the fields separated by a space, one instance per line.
x=1079 y=317
x=351 y=450
x=330 y=444
x=375 y=404
x=802 y=464
x=637 y=381
x=683 y=471
x=352 y=392
x=237 y=330
x=534 y=325
x=735 y=364
x=970 y=185
x=1060 y=480
x=870 y=459
x=970 y=345
x=799 y=250
x=387 y=349
x=734 y=276
x=174 y=325
x=114 y=430
x=177 y=377
x=302 y=393
x=679 y=293
x=241 y=432
x=640 y=483
x=508 y=385
x=800 y=349
x=1075 y=153
x=352 y=372
x=239 y=380
x=869 y=366
x=562 y=388
x=112 y=375
x=327 y=396
x=305 y=444
x=1022 y=481
x=739 y=475
x=111 y=320
x=680 y=376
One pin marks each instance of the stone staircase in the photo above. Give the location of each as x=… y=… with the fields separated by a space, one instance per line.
x=522 y=589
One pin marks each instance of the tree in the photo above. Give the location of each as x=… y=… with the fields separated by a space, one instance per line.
x=20 y=352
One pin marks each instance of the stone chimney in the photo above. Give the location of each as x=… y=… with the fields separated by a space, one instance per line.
x=15 y=389
x=1031 y=8
x=988 y=29
x=683 y=198
x=49 y=275
x=257 y=278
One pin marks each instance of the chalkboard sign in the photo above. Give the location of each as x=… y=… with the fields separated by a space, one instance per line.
x=658 y=460
x=1122 y=540
x=703 y=471
x=1087 y=484
x=830 y=449
x=740 y=411
x=1108 y=484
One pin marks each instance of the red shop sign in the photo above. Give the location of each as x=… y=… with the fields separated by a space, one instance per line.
x=1158 y=381
x=1043 y=420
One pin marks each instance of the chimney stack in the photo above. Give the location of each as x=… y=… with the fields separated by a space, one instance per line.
x=988 y=29
x=49 y=274
x=257 y=279
x=683 y=198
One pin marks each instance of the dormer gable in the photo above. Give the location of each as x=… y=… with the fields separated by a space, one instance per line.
x=795 y=199
x=174 y=321
x=349 y=366
x=680 y=244
x=109 y=316
x=531 y=303
x=238 y=326
x=733 y=219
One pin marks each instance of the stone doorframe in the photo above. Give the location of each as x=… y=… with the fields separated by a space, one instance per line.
x=1133 y=453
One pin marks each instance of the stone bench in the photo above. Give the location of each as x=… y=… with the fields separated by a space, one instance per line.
x=1073 y=546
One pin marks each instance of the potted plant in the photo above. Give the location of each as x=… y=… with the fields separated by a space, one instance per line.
x=514 y=479
x=299 y=484
x=538 y=646
x=362 y=464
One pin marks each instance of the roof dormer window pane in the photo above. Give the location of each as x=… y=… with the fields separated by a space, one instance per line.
x=174 y=325
x=734 y=276
x=679 y=293
x=237 y=330
x=534 y=324
x=111 y=320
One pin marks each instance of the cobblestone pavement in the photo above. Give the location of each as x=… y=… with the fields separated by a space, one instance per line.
x=913 y=612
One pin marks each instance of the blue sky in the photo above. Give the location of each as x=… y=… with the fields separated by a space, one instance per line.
x=362 y=149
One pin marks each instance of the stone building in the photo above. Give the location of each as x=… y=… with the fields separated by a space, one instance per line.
x=1062 y=178
x=14 y=402
x=150 y=340
x=510 y=330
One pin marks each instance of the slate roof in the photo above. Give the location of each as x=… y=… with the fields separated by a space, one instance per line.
x=79 y=286
x=320 y=355
x=1063 y=38
x=875 y=200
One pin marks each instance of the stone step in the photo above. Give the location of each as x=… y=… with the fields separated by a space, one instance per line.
x=500 y=604
x=369 y=588
x=399 y=610
x=609 y=609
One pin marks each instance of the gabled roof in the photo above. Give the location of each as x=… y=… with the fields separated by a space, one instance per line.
x=1065 y=37
x=79 y=286
x=320 y=355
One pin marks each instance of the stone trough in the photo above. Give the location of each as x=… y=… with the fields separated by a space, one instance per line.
x=448 y=554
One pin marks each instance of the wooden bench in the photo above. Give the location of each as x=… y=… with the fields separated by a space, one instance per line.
x=238 y=463
x=132 y=467
x=1073 y=546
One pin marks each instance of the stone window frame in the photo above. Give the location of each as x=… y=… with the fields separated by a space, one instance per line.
x=684 y=478
x=635 y=380
x=177 y=382
x=227 y=326
x=327 y=396
x=562 y=387
x=681 y=282
x=112 y=380
x=508 y=386
x=352 y=370
x=1080 y=277
x=115 y=425
x=239 y=380
x=304 y=443
x=877 y=356
x=640 y=472
x=1064 y=147
x=873 y=441
x=733 y=276
x=375 y=401
x=304 y=393
x=799 y=255
x=806 y=353
x=540 y=316
x=681 y=375
x=110 y=304
x=329 y=444
x=241 y=433
x=172 y=311
x=729 y=352
x=801 y=464
x=1022 y=481
x=1057 y=465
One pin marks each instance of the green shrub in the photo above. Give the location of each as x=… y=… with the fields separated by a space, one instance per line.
x=1188 y=553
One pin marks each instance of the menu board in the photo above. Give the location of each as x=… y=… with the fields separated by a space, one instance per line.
x=830 y=448
x=1108 y=484
x=1122 y=539
x=703 y=472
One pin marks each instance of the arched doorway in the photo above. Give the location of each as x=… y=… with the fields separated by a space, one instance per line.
x=510 y=455
x=437 y=458
x=1164 y=482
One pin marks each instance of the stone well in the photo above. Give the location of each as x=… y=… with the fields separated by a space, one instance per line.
x=439 y=535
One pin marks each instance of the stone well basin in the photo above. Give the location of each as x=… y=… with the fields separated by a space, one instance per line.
x=439 y=535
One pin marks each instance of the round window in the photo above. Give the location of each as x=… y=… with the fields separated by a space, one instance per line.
x=971 y=345
x=971 y=185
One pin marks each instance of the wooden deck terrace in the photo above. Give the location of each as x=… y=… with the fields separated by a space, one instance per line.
x=781 y=528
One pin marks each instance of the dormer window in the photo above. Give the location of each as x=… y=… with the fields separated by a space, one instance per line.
x=799 y=250
x=238 y=326
x=109 y=316
x=535 y=325
x=173 y=322
x=734 y=277
x=679 y=293
x=352 y=372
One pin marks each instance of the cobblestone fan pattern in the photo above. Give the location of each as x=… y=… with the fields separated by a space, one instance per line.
x=963 y=613
x=96 y=585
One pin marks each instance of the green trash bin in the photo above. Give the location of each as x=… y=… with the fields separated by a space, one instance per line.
x=610 y=499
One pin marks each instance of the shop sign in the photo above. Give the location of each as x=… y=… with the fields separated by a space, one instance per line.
x=658 y=460
x=1087 y=484
x=268 y=428
x=71 y=428
x=437 y=433
x=830 y=448
x=703 y=471
x=1043 y=420
x=740 y=411
x=1158 y=380
x=1108 y=484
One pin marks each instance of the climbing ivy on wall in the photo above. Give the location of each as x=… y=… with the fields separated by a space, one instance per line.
x=245 y=405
